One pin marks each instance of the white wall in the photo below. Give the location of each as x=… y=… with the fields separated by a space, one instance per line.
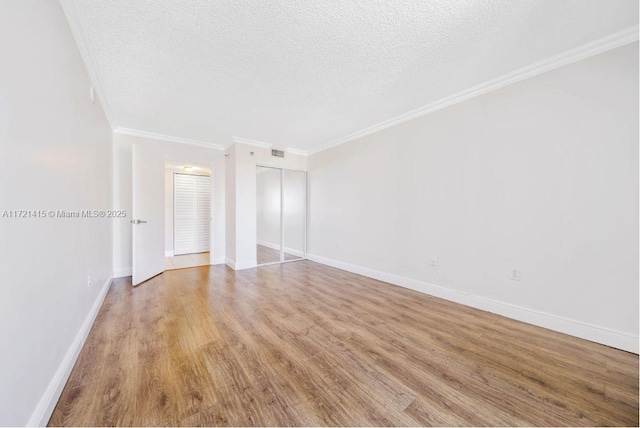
x=241 y=198
x=540 y=176
x=55 y=154
x=122 y=199
x=230 y=206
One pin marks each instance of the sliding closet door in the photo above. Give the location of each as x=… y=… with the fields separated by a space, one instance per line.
x=294 y=194
x=268 y=209
x=191 y=213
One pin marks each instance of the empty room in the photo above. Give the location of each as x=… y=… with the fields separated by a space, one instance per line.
x=319 y=213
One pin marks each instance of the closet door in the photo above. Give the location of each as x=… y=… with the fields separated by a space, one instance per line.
x=191 y=213
x=268 y=218
x=184 y=213
x=294 y=194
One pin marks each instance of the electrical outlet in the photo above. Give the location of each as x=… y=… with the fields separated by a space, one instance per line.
x=89 y=281
x=515 y=275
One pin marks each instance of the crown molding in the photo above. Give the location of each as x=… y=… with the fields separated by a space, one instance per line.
x=255 y=143
x=621 y=38
x=70 y=10
x=169 y=138
x=264 y=145
x=298 y=152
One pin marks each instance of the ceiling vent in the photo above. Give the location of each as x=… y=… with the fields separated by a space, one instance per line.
x=277 y=153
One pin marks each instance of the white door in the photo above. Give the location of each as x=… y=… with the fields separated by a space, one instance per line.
x=203 y=214
x=184 y=213
x=148 y=213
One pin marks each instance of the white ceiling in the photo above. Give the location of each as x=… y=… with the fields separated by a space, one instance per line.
x=301 y=74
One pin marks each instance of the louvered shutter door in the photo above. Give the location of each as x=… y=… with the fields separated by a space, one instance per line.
x=192 y=213
x=184 y=213
x=203 y=213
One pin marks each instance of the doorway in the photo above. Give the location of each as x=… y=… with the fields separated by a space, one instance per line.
x=187 y=215
x=152 y=210
x=281 y=215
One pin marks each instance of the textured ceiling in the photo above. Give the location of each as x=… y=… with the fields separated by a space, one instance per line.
x=301 y=74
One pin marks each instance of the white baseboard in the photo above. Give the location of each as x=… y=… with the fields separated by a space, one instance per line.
x=218 y=261
x=168 y=253
x=614 y=338
x=122 y=272
x=287 y=250
x=48 y=401
x=230 y=263
x=239 y=265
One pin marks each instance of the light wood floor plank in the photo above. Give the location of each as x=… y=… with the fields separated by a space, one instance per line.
x=302 y=344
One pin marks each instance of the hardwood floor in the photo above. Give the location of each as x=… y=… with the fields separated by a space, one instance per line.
x=305 y=344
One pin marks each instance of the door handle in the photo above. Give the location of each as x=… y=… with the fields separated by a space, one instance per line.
x=138 y=221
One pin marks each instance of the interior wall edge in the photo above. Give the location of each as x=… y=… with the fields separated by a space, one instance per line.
x=123 y=272
x=239 y=265
x=48 y=401
x=605 y=336
x=231 y=263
